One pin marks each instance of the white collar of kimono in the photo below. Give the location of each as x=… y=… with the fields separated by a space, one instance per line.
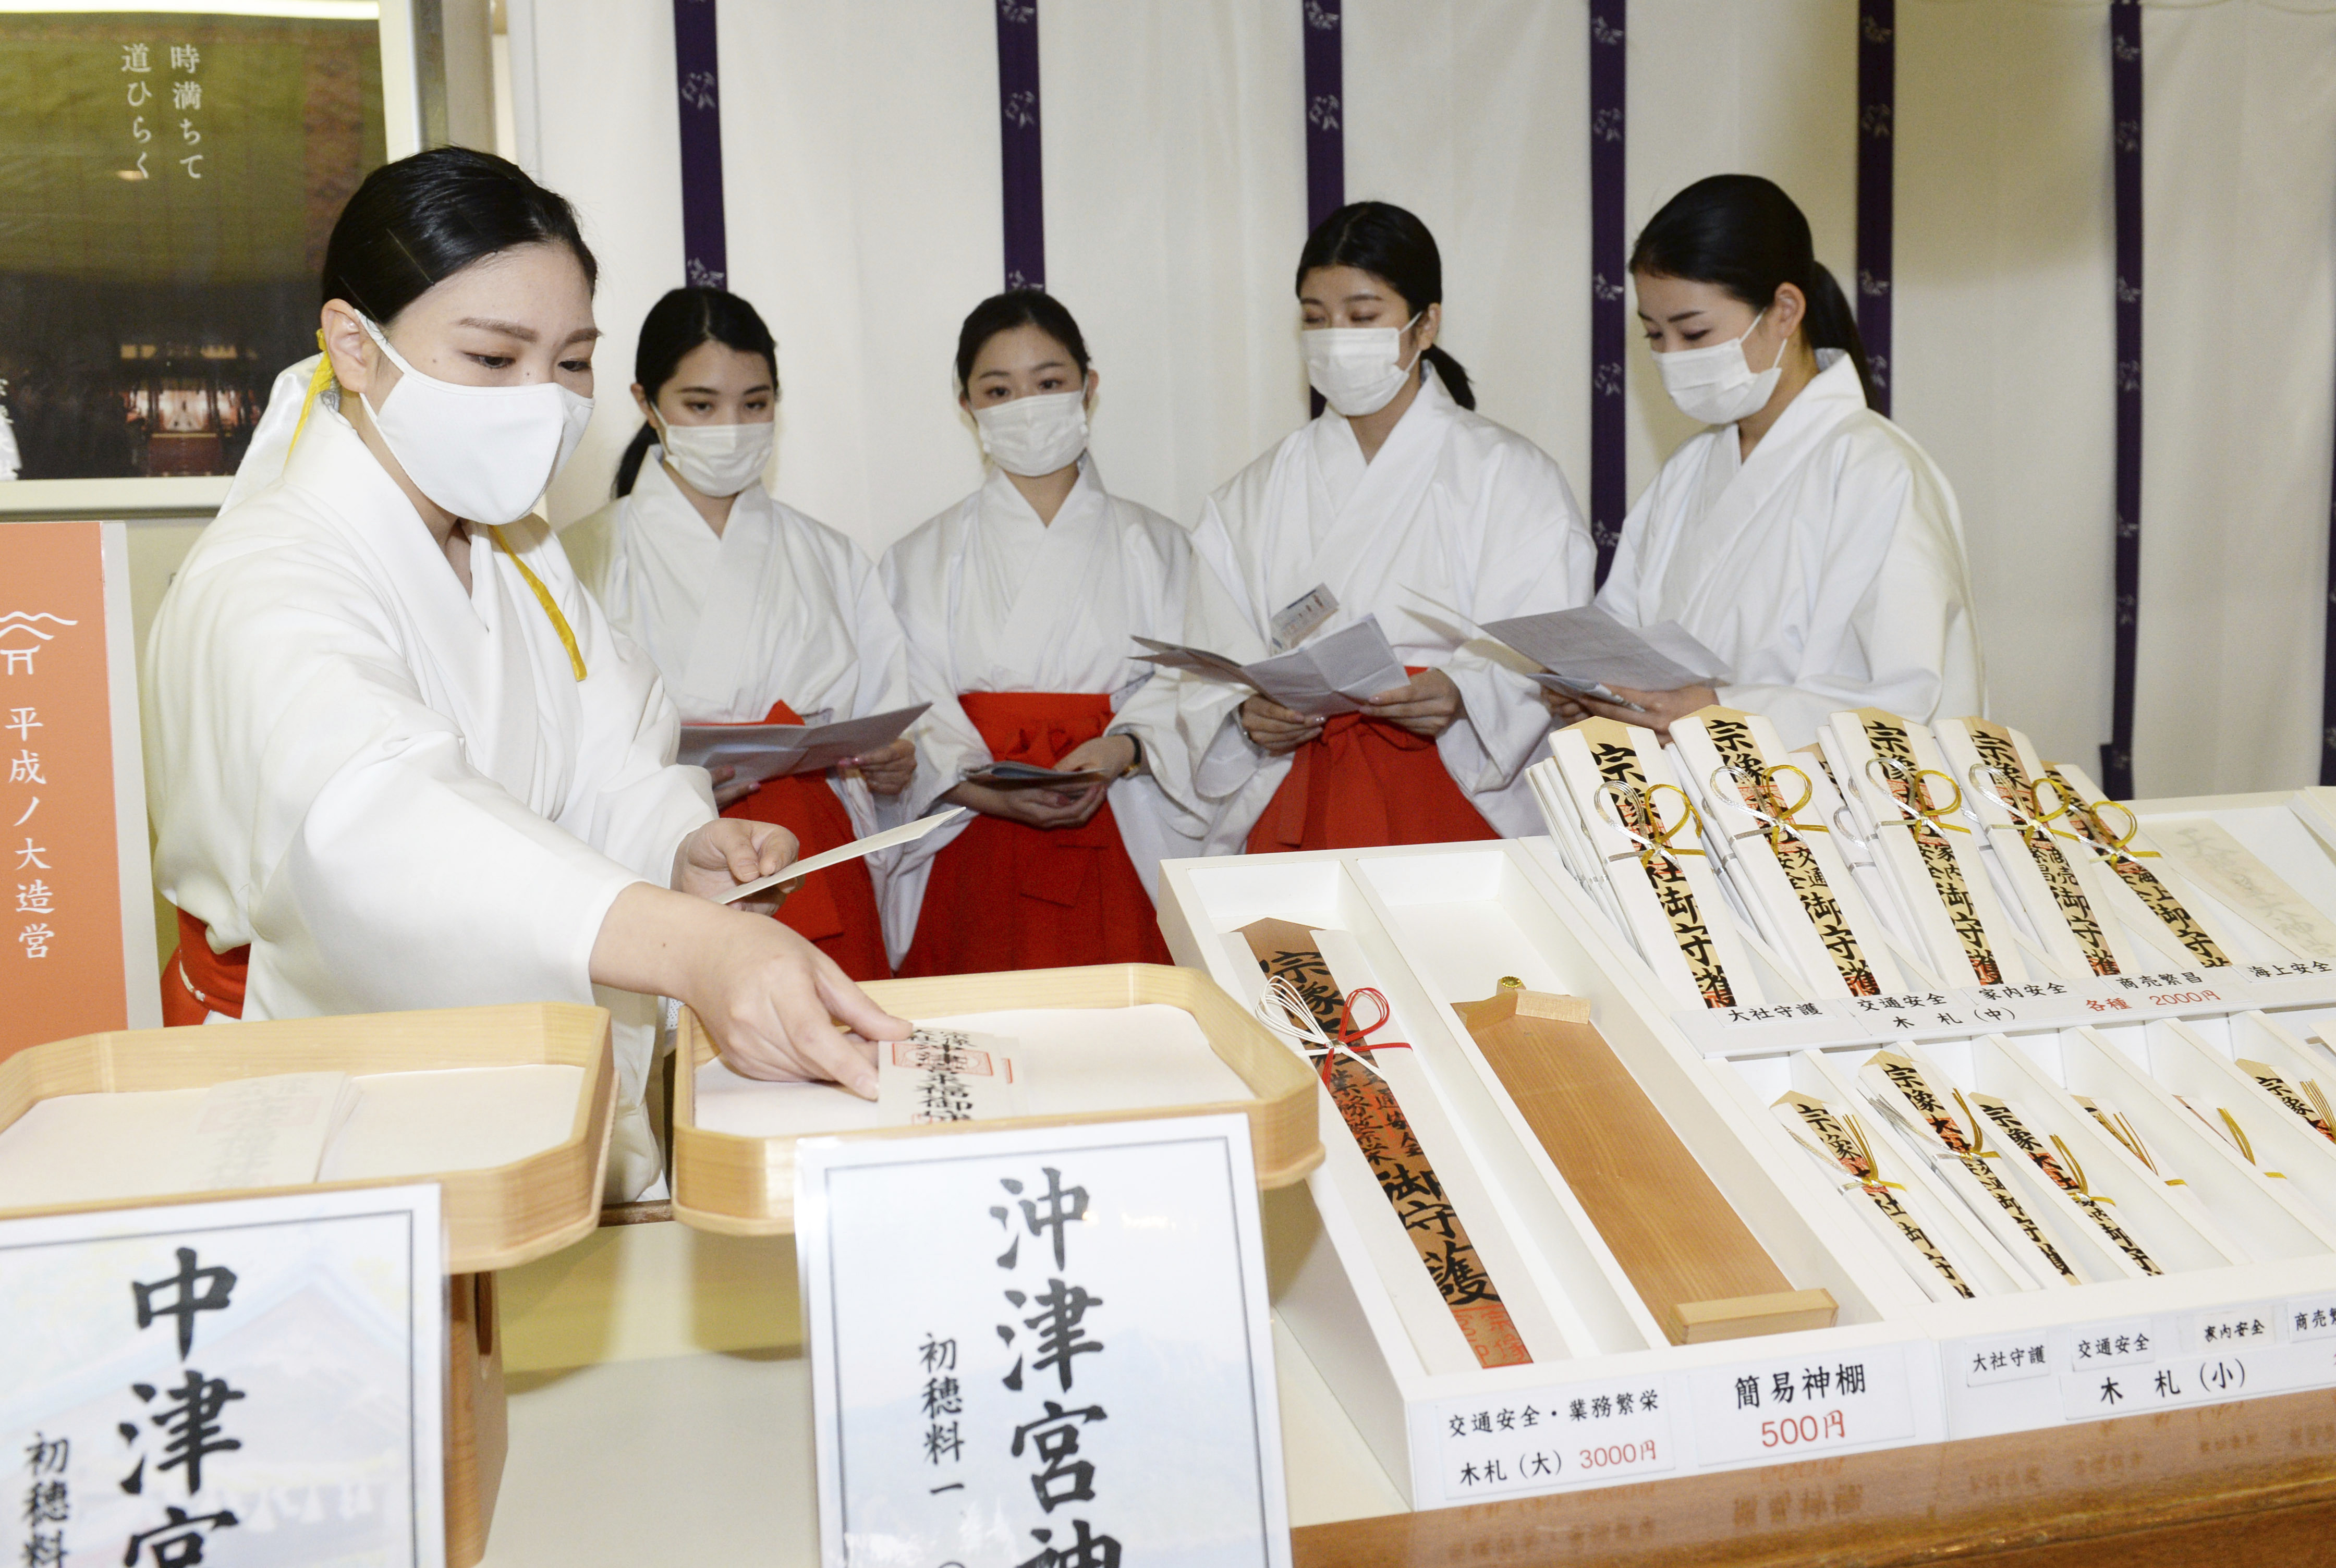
x=667 y=508
x=1433 y=406
x=999 y=497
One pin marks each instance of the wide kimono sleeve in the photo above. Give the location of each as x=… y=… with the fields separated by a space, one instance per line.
x=1521 y=548
x=1889 y=608
x=915 y=576
x=1159 y=580
x=628 y=799
x=311 y=800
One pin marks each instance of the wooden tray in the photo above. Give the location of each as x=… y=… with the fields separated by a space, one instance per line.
x=746 y=1187
x=496 y=1217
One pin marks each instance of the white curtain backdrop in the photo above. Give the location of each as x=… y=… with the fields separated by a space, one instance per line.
x=860 y=145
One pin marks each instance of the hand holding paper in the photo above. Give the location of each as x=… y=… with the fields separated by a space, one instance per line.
x=758 y=751
x=1334 y=674
x=842 y=853
x=1586 y=652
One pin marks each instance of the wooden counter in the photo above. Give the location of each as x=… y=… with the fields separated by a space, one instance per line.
x=2250 y=1483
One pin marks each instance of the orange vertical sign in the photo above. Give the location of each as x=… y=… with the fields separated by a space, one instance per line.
x=61 y=960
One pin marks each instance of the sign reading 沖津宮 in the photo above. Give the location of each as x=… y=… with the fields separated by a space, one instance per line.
x=256 y=1382
x=77 y=945
x=1041 y=1349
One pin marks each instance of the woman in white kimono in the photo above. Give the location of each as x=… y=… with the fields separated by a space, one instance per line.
x=754 y=613
x=395 y=755
x=1805 y=539
x=1402 y=502
x=1020 y=604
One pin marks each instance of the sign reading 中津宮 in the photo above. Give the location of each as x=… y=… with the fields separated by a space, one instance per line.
x=256 y=1382
x=77 y=948
x=1041 y=1349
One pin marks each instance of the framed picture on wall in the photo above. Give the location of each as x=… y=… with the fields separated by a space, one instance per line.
x=173 y=173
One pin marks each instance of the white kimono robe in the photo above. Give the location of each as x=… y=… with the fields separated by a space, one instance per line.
x=1828 y=569
x=1468 y=513
x=993 y=600
x=400 y=797
x=778 y=608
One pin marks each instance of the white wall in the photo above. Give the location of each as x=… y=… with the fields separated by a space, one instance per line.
x=861 y=153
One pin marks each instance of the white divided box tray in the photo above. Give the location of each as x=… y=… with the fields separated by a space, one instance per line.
x=1605 y=1397
x=2242 y=1308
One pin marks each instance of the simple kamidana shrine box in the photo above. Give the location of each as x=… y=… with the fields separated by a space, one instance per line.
x=1182 y=1047
x=540 y=1194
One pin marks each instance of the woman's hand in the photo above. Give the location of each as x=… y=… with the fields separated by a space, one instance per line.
x=1425 y=706
x=1109 y=755
x=1563 y=706
x=728 y=851
x=1661 y=707
x=889 y=770
x=1274 y=728
x=728 y=788
x=1031 y=805
x=769 y=998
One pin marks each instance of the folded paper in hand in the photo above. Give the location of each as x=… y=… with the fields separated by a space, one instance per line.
x=1586 y=650
x=843 y=854
x=760 y=751
x=1333 y=675
x=1019 y=775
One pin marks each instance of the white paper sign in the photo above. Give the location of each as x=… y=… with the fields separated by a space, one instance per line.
x=1541 y=1439
x=1045 y=1347
x=1784 y=1407
x=256 y=1383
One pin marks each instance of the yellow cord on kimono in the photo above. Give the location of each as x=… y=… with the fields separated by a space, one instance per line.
x=318 y=382
x=544 y=596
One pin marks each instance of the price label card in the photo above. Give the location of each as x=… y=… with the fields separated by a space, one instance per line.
x=1042 y=1346
x=1548 y=1438
x=1765 y=1030
x=2299 y=982
x=2177 y=993
x=1783 y=1407
x=1913 y=1014
x=1978 y=1363
x=256 y=1382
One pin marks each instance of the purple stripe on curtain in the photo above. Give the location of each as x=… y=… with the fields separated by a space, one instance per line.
x=1609 y=492
x=2124 y=111
x=1019 y=144
x=1877 y=111
x=696 y=74
x=1325 y=85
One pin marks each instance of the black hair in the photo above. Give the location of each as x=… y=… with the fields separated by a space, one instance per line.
x=416 y=222
x=1743 y=234
x=1004 y=312
x=1393 y=246
x=683 y=320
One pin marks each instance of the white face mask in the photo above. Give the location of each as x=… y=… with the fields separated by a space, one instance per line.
x=1718 y=384
x=482 y=452
x=717 y=459
x=1034 y=435
x=1357 y=369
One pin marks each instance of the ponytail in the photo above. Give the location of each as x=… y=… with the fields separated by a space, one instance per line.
x=1832 y=324
x=636 y=452
x=1745 y=235
x=680 y=321
x=1455 y=379
x=1393 y=246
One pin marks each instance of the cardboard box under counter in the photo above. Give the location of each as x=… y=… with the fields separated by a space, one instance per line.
x=734 y=1139
x=524 y=1206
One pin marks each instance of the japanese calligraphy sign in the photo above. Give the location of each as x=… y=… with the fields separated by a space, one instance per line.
x=257 y=1383
x=1816 y=1402
x=79 y=930
x=1043 y=1348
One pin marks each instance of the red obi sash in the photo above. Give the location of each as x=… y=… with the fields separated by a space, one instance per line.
x=1007 y=896
x=1362 y=783
x=198 y=982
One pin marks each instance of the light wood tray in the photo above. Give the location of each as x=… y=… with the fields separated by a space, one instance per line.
x=496 y=1217
x=747 y=1186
